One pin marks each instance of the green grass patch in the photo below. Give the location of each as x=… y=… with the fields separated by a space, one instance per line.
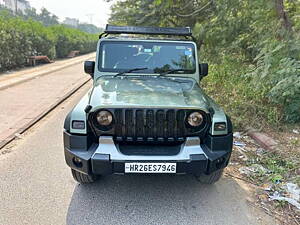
x=278 y=168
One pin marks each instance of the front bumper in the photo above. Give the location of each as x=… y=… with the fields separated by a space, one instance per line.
x=106 y=158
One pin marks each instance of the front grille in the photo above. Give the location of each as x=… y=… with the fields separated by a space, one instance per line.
x=149 y=124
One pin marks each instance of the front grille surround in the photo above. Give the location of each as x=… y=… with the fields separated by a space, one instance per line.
x=150 y=125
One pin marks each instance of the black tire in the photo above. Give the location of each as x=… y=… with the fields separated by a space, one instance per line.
x=83 y=178
x=211 y=178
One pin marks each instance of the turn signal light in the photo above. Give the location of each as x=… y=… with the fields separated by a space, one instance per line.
x=220 y=126
x=78 y=124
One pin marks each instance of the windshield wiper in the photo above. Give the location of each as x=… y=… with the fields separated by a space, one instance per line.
x=173 y=70
x=129 y=71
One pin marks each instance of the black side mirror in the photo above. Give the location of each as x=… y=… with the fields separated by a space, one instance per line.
x=89 y=67
x=203 y=67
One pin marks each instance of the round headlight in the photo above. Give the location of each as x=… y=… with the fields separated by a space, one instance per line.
x=104 y=118
x=195 y=119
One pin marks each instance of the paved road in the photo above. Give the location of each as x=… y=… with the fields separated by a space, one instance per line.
x=36 y=187
x=23 y=102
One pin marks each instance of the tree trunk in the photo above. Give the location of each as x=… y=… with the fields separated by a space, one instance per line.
x=282 y=15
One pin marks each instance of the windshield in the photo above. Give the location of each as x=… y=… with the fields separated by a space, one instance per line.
x=156 y=57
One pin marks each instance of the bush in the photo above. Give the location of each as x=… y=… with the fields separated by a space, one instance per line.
x=277 y=71
x=229 y=85
x=267 y=89
x=69 y=39
x=22 y=38
x=19 y=39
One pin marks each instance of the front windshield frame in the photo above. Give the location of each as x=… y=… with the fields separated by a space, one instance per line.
x=141 y=42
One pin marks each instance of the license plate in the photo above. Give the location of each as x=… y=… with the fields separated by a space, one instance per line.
x=150 y=167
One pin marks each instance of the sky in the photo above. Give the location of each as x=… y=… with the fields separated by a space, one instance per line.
x=80 y=9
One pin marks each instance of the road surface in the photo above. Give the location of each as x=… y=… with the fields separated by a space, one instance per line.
x=24 y=102
x=36 y=187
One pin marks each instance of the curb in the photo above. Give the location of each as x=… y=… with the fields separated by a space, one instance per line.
x=43 y=114
x=262 y=139
x=43 y=74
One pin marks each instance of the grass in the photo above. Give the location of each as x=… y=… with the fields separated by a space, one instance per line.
x=280 y=168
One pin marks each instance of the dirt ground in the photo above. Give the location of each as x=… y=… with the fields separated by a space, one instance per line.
x=272 y=175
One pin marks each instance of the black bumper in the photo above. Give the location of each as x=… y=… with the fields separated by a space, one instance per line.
x=216 y=156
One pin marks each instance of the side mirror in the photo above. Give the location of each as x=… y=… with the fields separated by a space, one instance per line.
x=203 y=67
x=89 y=67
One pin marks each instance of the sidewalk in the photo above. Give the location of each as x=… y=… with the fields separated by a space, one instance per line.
x=13 y=78
x=23 y=103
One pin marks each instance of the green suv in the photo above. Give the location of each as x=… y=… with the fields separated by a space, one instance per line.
x=146 y=112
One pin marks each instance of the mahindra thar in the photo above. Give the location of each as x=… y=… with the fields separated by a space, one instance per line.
x=146 y=111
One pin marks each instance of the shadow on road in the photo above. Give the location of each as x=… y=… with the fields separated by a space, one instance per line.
x=158 y=199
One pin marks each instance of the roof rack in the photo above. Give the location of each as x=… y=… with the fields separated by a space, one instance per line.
x=178 y=31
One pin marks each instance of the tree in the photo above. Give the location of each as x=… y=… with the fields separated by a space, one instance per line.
x=89 y=28
x=282 y=15
x=47 y=18
x=255 y=34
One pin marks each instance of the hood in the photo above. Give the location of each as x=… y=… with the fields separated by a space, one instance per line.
x=147 y=92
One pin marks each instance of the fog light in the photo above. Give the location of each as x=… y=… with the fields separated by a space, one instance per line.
x=77 y=162
x=220 y=163
x=220 y=126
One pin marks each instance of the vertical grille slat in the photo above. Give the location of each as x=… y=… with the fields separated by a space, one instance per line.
x=150 y=123
x=171 y=121
x=119 y=123
x=160 y=120
x=129 y=124
x=139 y=125
x=180 y=123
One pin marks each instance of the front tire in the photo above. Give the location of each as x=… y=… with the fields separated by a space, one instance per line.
x=83 y=178
x=211 y=178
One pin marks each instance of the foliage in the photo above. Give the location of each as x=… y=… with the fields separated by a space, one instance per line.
x=89 y=28
x=68 y=39
x=49 y=19
x=20 y=39
x=253 y=48
x=45 y=17
x=86 y=27
x=278 y=72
